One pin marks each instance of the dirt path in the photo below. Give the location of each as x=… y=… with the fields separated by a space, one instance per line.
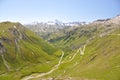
x=43 y=74
x=82 y=51
x=71 y=58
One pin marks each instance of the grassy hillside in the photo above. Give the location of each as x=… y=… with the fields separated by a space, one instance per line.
x=71 y=39
x=94 y=49
x=22 y=52
x=101 y=60
x=89 y=52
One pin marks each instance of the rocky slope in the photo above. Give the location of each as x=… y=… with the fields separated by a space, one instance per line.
x=46 y=28
x=20 y=48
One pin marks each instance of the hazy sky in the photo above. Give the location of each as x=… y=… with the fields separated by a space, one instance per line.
x=27 y=11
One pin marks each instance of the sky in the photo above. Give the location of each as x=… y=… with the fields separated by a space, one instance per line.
x=27 y=11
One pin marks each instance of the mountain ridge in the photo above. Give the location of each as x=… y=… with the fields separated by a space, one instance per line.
x=20 y=47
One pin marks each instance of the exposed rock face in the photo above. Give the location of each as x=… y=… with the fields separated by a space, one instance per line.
x=2 y=51
x=115 y=20
x=5 y=39
x=2 y=48
x=44 y=29
x=14 y=31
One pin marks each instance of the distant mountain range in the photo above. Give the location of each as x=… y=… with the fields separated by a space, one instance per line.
x=51 y=26
x=54 y=26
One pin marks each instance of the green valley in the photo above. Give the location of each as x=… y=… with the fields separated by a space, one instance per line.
x=81 y=52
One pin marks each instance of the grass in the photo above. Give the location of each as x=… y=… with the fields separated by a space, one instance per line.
x=101 y=61
x=33 y=55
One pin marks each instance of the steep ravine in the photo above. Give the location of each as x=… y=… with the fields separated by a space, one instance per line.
x=5 y=63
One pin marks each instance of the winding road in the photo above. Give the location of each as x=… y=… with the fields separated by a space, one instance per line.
x=71 y=58
x=46 y=73
x=82 y=51
x=57 y=65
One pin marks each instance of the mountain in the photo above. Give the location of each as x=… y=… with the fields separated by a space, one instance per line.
x=95 y=51
x=115 y=20
x=82 y=52
x=22 y=52
x=74 y=37
x=92 y=51
x=46 y=28
x=97 y=59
